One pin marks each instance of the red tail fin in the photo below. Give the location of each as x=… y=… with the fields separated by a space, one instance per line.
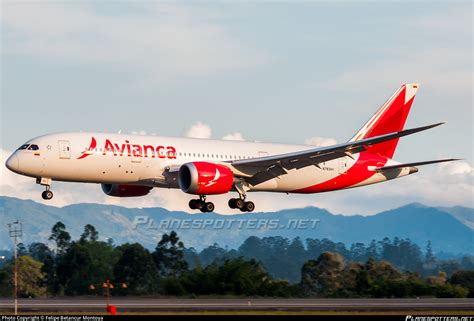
x=389 y=118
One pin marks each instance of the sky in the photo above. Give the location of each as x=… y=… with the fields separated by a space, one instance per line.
x=292 y=72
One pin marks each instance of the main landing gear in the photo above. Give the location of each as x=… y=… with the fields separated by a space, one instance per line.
x=241 y=204
x=201 y=204
x=46 y=182
x=206 y=207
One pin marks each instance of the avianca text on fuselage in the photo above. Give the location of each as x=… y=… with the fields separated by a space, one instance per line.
x=129 y=149
x=204 y=167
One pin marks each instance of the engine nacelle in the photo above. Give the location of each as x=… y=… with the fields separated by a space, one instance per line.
x=203 y=178
x=121 y=190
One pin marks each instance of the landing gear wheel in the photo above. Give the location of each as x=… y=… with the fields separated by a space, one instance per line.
x=248 y=207
x=239 y=203
x=47 y=195
x=236 y=203
x=208 y=207
x=196 y=204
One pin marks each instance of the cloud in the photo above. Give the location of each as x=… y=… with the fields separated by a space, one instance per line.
x=234 y=136
x=457 y=168
x=162 y=42
x=139 y=132
x=199 y=130
x=434 y=50
x=320 y=141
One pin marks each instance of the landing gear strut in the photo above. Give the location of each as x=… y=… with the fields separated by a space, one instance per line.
x=201 y=204
x=46 y=182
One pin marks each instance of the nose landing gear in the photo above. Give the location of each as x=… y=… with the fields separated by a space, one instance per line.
x=47 y=195
x=46 y=182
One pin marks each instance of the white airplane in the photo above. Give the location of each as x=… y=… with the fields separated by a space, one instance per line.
x=131 y=165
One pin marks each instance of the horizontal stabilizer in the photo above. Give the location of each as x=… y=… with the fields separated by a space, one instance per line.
x=415 y=164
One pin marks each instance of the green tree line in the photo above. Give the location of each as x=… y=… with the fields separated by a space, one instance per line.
x=272 y=266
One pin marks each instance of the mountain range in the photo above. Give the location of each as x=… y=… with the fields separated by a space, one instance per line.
x=450 y=229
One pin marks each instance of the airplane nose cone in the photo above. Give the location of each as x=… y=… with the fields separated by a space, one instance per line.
x=12 y=163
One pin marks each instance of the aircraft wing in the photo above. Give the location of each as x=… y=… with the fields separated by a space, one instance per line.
x=261 y=169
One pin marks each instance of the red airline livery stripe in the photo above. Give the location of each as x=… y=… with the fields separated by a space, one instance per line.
x=358 y=173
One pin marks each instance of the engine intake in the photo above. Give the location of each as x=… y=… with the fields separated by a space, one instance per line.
x=204 y=178
x=120 y=190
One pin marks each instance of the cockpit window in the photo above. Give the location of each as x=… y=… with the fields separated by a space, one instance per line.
x=33 y=147
x=25 y=146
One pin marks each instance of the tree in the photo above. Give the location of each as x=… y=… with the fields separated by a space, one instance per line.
x=291 y=262
x=237 y=276
x=61 y=237
x=372 y=250
x=253 y=247
x=6 y=284
x=211 y=254
x=440 y=279
x=322 y=277
x=42 y=253
x=89 y=235
x=169 y=255
x=39 y=251
x=430 y=260
x=136 y=268
x=450 y=267
x=192 y=257
x=85 y=263
x=30 y=277
x=464 y=279
x=73 y=270
x=21 y=250
x=358 y=252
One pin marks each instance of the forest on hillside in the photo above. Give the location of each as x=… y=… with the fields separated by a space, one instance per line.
x=270 y=266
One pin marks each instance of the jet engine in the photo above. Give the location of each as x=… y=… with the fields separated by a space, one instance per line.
x=204 y=178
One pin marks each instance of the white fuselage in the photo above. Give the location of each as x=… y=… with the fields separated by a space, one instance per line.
x=154 y=161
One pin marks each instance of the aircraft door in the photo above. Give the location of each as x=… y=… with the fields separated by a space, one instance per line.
x=64 y=149
x=342 y=165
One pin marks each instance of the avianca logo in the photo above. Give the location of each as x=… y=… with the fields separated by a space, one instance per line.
x=130 y=150
x=89 y=150
x=215 y=179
